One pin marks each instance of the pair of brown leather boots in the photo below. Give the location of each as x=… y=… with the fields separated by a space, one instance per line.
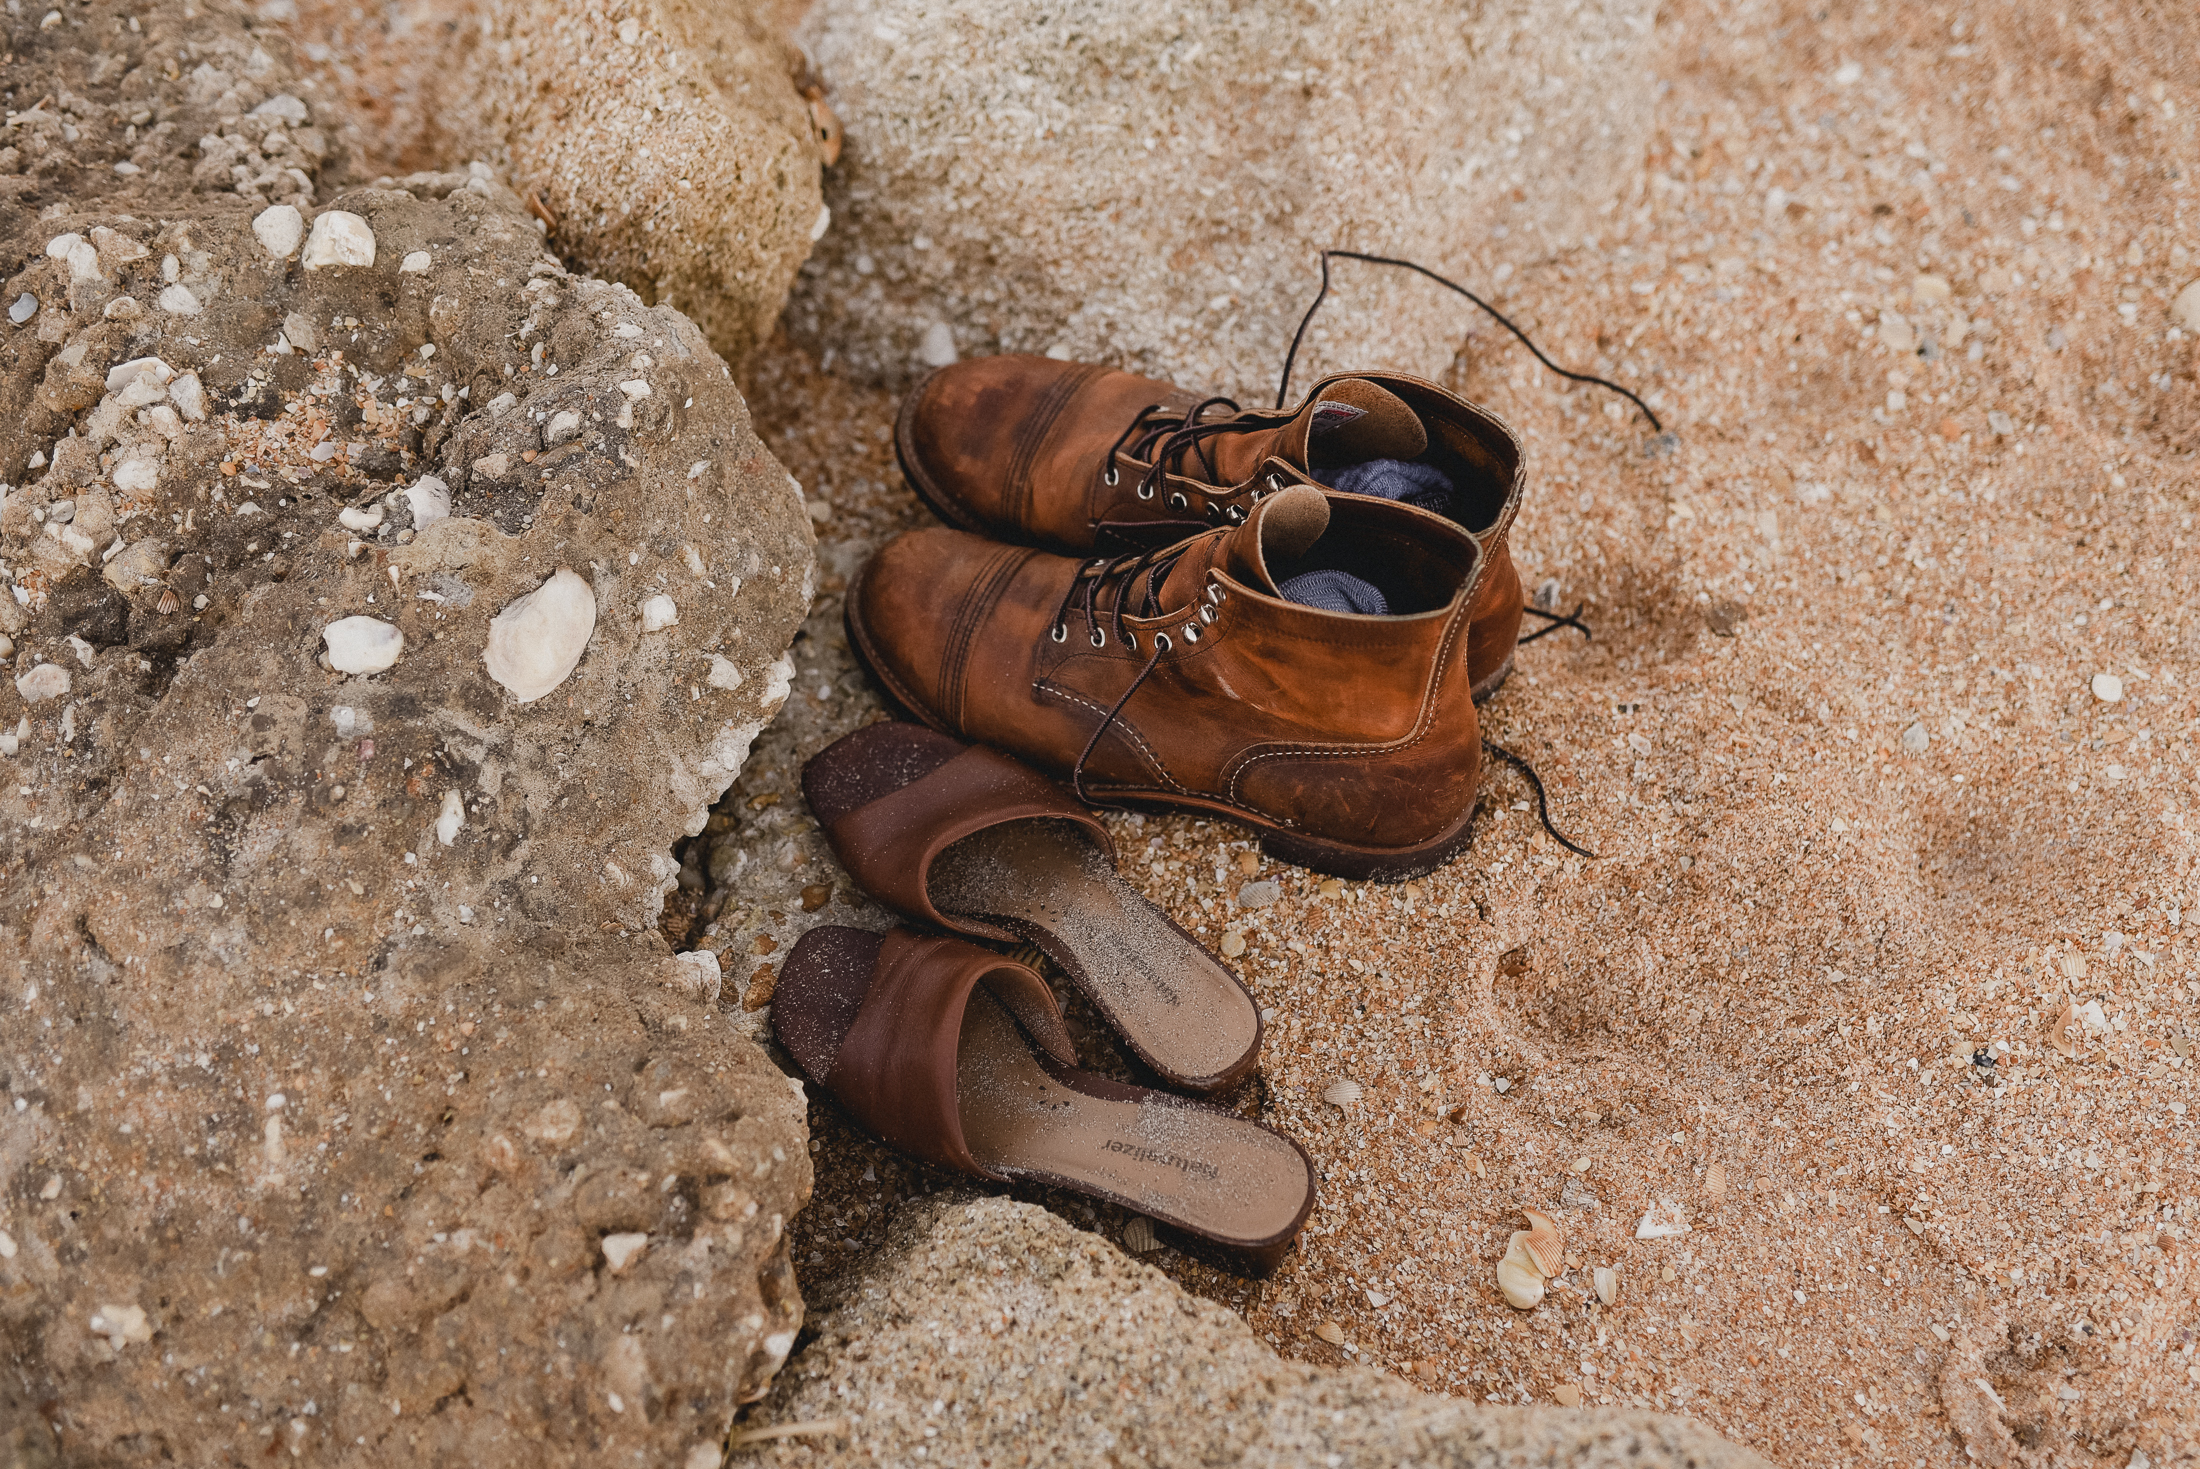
x=1283 y=618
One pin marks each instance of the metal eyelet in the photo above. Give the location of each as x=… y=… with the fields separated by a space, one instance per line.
x=1161 y=641
x=1191 y=632
x=1145 y=491
x=1130 y=641
x=1214 y=592
x=1207 y=614
x=1177 y=501
x=1111 y=477
x=1099 y=638
x=1235 y=514
x=1274 y=483
x=1060 y=633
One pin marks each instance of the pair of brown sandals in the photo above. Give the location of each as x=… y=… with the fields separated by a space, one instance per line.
x=958 y=1055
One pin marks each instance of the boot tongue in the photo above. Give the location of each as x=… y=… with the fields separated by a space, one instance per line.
x=1348 y=420
x=1282 y=528
x=1353 y=420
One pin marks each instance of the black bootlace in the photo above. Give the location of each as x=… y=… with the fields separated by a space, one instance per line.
x=1283 y=388
x=1160 y=439
x=1542 y=802
x=1121 y=576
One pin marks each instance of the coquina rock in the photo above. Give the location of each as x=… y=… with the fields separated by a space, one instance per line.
x=353 y=1113
x=989 y=1331
x=1148 y=184
x=669 y=144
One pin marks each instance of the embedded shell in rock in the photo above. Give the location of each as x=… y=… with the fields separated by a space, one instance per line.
x=535 y=642
x=354 y=1095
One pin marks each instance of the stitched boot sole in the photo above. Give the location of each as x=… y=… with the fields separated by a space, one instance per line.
x=1337 y=859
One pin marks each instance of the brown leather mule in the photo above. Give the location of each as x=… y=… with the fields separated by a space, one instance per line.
x=966 y=838
x=958 y=1056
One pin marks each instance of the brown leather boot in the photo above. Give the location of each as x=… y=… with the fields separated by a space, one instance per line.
x=1213 y=675
x=1077 y=458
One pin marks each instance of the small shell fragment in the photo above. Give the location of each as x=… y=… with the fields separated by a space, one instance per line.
x=659 y=613
x=1607 y=1284
x=2059 y=1029
x=1663 y=1221
x=538 y=639
x=1519 y=1277
x=1331 y=1332
x=362 y=644
x=1546 y=1241
x=1714 y=1182
x=1567 y=1394
x=1343 y=1094
x=1139 y=1237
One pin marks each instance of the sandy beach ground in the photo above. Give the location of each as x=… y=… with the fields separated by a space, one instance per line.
x=1884 y=743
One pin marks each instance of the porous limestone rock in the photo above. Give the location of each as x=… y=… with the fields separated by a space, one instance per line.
x=337 y=1036
x=668 y=143
x=1135 y=182
x=1047 y=1341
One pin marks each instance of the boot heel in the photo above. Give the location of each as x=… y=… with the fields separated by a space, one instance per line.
x=1370 y=864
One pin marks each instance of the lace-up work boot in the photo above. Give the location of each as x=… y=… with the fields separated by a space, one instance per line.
x=1299 y=673
x=1081 y=459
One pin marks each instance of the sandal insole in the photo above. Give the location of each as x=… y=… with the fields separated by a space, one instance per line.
x=1176 y=1005
x=1213 y=1173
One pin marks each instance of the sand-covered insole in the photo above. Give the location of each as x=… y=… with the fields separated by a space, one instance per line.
x=1046 y=879
x=1207 y=1170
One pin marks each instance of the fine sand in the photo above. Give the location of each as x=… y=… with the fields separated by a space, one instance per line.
x=1884 y=744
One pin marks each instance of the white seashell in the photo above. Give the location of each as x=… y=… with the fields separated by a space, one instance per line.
x=359 y=517
x=1343 y=1094
x=1607 y=1284
x=1139 y=1237
x=139 y=369
x=362 y=644
x=620 y=1250
x=1331 y=1332
x=279 y=228
x=1518 y=1276
x=723 y=675
x=430 y=499
x=339 y=238
x=189 y=396
x=46 y=681
x=452 y=819
x=178 y=301
x=538 y=639
x=1664 y=1221
x=415 y=263
x=659 y=613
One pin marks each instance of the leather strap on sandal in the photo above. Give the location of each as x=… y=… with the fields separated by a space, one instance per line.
x=895 y=1069
x=888 y=845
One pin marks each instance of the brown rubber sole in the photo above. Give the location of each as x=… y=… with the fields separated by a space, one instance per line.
x=1337 y=859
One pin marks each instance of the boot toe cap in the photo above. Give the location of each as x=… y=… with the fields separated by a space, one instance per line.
x=908 y=614
x=961 y=430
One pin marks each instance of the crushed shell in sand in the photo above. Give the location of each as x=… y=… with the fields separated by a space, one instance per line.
x=1606 y=1280
x=1343 y=1094
x=1546 y=1241
x=1663 y=1221
x=537 y=640
x=1519 y=1277
x=1567 y=1394
x=1714 y=1182
x=1139 y=1237
x=430 y=499
x=1331 y=1332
